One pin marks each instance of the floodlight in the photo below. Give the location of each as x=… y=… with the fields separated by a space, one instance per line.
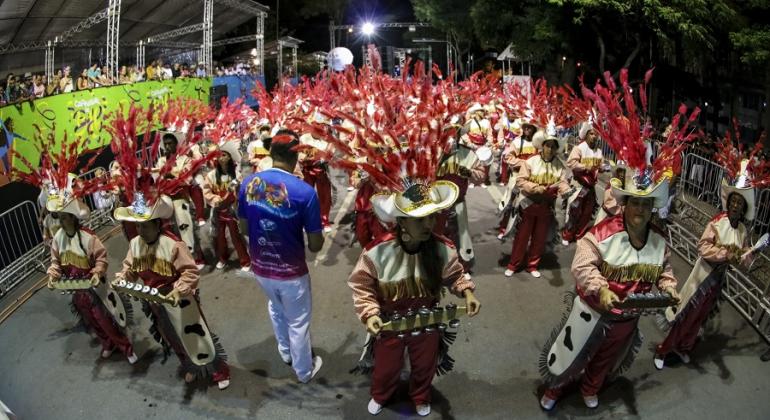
x=367 y=28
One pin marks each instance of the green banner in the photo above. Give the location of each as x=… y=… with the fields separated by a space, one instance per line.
x=83 y=114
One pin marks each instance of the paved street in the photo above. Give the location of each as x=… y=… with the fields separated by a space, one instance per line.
x=50 y=369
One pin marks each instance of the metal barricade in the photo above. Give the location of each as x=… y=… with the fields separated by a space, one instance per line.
x=762 y=213
x=700 y=180
x=100 y=203
x=22 y=252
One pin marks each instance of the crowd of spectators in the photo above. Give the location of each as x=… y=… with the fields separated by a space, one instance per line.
x=18 y=89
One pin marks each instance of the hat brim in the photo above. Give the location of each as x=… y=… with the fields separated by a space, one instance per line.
x=75 y=207
x=163 y=209
x=541 y=137
x=658 y=192
x=388 y=209
x=746 y=193
x=232 y=148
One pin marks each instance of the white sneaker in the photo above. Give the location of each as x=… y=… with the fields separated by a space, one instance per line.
x=536 y=274
x=547 y=403
x=508 y=273
x=107 y=353
x=501 y=184
x=423 y=410
x=200 y=266
x=201 y=223
x=223 y=384
x=683 y=356
x=327 y=229
x=132 y=358
x=317 y=363
x=472 y=186
x=565 y=242
x=220 y=265
x=658 y=361
x=485 y=187
x=286 y=359
x=501 y=237
x=592 y=401
x=246 y=268
x=467 y=276
x=351 y=188
x=374 y=407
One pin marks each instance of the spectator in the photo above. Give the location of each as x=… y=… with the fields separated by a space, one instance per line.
x=176 y=71
x=139 y=75
x=2 y=96
x=275 y=226
x=106 y=77
x=83 y=83
x=65 y=84
x=94 y=76
x=123 y=77
x=201 y=70
x=53 y=87
x=151 y=71
x=168 y=74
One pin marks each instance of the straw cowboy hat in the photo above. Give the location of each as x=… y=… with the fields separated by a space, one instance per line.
x=417 y=200
x=139 y=211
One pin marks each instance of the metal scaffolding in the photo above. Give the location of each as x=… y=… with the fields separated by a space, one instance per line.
x=176 y=32
x=84 y=24
x=113 y=35
x=208 y=32
x=334 y=28
x=292 y=43
x=140 y=54
x=49 y=60
x=259 y=60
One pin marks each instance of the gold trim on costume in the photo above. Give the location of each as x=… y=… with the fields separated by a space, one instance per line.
x=74 y=259
x=545 y=179
x=407 y=288
x=154 y=264
x=646 y=273
x=591 y=162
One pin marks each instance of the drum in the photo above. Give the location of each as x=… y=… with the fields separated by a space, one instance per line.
x=485 y=155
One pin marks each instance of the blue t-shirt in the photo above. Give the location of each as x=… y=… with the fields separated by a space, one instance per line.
x=278 y=206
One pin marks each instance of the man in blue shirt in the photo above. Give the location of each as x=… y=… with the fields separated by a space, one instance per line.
x=276 y=207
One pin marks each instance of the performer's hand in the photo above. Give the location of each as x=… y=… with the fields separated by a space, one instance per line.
x=374 y=324
x=51 y=281
x=472 y=304
x=174 y=296
x=746 y=258
x=464 y=172
x=607 y=298
x=674 y=295
x=539 y=189
x=95 y=280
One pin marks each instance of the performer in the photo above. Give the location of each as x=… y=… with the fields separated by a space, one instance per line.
x=514 y=155
x=316 y=173
x=610 y=207
x=368 y=226
x=723 y=243
x=402 y=272
x=541 y=179
x=77 y=253
x=622 y=254
x=181 y=198
x=461 y=167
x=507 y=132
x=585 y=160
x=258 y=151
x=158 y=259
x=220 y=189
x=477 y=135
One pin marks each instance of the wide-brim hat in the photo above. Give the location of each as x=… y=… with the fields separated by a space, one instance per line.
x=233 y=149
x=138 y=212
x=475 y=108
x=584 y=128
x=419 y=200
x=308 y=140
x=59 y=203
x=657 y=191
x=748 y=194
x=257 y=148
x=541 y=137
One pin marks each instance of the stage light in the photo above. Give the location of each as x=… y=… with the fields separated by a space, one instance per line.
x=253 y=52
x=350 y=30
x=412 y=28
x=706 y=103
x=367 y=28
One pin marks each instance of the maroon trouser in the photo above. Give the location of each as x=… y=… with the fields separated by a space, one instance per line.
x=100 y=322
x=581 y=212
x=684 y=332
x=229 y=223
x=530 y=237
x=196 y=194
x=389 y=358
x=503 y=179
x=604 y=360
x=319 y=179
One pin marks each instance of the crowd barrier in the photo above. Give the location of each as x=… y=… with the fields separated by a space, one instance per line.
x=22 y=252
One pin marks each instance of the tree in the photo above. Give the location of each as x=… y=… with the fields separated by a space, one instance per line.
x=450 y=17
x=334 y=9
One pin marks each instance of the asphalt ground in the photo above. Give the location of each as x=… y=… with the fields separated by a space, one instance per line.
x=51 y=369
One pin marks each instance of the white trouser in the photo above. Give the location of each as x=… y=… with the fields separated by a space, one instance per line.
x=290 y=311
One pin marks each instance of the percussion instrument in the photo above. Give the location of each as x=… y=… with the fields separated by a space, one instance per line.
x=140 y=291
x=71 y=284
x=643 y=303
x=485 y=155
x=427 y=319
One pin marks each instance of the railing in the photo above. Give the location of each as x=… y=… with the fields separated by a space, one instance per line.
x=700 y=180
x=99 y=203
x=22 y=252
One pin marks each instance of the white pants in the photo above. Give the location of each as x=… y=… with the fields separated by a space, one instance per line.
x=290 y=310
